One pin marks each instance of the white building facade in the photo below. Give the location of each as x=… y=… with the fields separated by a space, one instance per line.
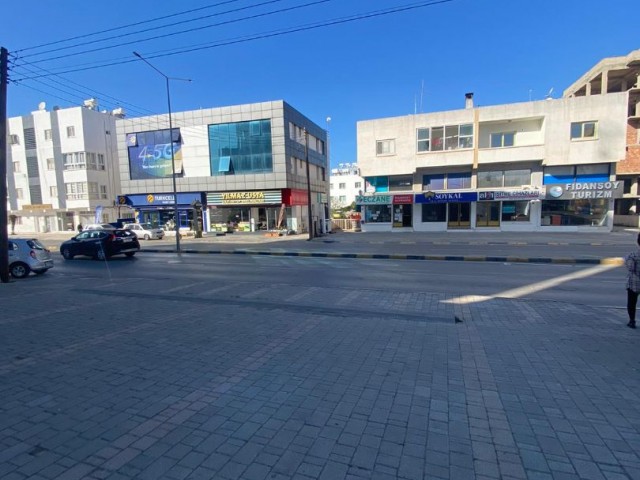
x=61 y=168
x=254 y=166
x=345 y=185
x=542 y=165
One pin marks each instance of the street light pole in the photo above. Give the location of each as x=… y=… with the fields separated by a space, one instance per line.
x=306 y=158
x=173 y=160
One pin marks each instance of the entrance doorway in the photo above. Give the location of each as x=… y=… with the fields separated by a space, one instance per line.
x=402 y=216
x=487 y=214
x=459 y=215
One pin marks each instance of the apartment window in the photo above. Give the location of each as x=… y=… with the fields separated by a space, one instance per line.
x=51 y=164
x=433 y=182
x=342 y=198
x=342 y=186
x=358 y=185
x=19 y=194
x=103 y=191
x=457 y=181
x=30 y=139
x=332 y=186
x=16 y=167
x=53 y=191
x=71 y=132
x=449 y=137
x=47 y=134
x=323 y=174
x=76 y=190
x=101 y=161
x=423 y=140
x=74 y=161
x=14 y=139
x=385 y=147
x=502 y=139
x=583 y=130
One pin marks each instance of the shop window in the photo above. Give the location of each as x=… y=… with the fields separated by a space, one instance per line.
x=378 y=214
x=583 y=130
x=592 y=173
x=378 y=184
x=400 y=183
x=585 y=212
x=515 y=211
x=627 y=185
x=434 y=212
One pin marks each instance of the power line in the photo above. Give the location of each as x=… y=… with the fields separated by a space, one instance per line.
x=122 y=27
x=138 y=32
x=190 y=30
x=193 y=48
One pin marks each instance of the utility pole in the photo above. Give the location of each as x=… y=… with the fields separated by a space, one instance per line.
x=306 y=159
x=4 y=228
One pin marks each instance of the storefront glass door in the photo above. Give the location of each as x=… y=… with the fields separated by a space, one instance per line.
x=487 y=214
x=402 y=216
x=459 y=215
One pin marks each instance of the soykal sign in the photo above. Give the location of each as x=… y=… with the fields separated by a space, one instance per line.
x=585 y=190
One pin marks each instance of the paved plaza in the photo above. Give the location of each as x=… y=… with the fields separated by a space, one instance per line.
x=215 y=380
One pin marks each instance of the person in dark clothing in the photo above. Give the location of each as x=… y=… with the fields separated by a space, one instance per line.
x=79 y=227
x=633 y=284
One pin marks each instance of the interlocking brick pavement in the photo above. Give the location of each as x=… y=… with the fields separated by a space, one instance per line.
x=268 y=384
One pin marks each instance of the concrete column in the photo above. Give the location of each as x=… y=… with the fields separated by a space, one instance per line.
x=605 y=82
x=588 y=89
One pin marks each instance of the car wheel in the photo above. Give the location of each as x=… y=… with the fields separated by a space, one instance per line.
x=130 y=254
x=147 y=237
x=66 y=254
x=40 y=272
x=19 y=270
x=100 y=255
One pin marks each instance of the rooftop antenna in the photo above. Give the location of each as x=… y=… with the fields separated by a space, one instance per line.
x=415 y=103
x=421 y=95
x=530 y=92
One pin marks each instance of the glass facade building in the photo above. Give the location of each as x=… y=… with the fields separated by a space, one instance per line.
x=241 y=148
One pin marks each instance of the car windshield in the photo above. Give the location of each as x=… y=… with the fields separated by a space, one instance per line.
x=146 y=226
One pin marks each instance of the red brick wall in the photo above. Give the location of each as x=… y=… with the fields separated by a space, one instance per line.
x=631 y=162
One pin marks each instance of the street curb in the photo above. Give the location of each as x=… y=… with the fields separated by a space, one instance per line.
x=616 y=261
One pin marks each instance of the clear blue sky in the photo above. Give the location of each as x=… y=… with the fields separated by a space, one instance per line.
x=502 y=50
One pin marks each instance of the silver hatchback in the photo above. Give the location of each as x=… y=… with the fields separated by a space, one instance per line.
x=28 y=255
x=144 y=231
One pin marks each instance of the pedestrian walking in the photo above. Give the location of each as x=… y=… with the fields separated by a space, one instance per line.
x=632 y=263
x=79 y=227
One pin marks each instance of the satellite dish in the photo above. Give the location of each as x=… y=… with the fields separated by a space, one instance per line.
x=42 y=106
x=548 y=95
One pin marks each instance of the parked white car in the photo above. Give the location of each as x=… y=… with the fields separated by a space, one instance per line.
x=28 y=255
x=145 y=231
x=99 y=226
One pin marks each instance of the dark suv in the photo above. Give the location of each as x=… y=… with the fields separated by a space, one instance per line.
x=101 y=244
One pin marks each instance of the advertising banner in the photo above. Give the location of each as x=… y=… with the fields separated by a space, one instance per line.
x=150 y=155
x=512 y=194
x=403 y=199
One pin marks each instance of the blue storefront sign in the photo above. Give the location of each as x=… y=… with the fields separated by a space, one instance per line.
x=444 y=197
x=159 y=199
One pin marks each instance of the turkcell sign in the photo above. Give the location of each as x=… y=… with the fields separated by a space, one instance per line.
x=444 y=197
x=373 y=199
x=585 y=190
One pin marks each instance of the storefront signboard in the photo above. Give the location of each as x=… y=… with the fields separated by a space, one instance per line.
x=373 y=199
x=445 y=197
x=260 y=197
x=585 y=190
x=403 y=199
x=158 y=199
x=38 y=206
x=513 y=194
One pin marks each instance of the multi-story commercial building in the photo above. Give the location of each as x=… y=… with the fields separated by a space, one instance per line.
x=253 y=165
x=539 y=165
x=614 y=75
x=61 y=168
x=346 y=184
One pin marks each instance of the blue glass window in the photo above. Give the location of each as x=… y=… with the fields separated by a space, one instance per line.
x=433 y=182
x=240 y=148
x=459 y=180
